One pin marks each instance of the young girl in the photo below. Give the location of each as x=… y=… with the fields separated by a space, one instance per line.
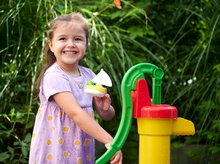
x=65 y=128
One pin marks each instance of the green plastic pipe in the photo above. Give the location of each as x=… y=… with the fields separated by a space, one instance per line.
x=129 y=83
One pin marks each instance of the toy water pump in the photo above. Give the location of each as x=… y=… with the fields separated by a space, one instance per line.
x=156 y=122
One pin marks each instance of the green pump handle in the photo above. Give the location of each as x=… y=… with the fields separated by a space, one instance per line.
x=129 y=83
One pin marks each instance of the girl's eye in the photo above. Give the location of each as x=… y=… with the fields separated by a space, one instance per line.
x=78 y=39
x=62 y=38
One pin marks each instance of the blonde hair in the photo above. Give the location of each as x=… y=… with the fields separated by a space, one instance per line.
x=72 y=17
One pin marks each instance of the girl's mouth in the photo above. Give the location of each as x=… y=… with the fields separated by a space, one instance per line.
x=70 y=52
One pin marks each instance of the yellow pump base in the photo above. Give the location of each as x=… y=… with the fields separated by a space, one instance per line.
x=154 y=138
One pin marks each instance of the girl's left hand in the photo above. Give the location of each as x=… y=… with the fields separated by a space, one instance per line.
x=103 y=107
x=102 y=103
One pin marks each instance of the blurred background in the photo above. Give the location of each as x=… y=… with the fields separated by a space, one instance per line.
x=181 y=37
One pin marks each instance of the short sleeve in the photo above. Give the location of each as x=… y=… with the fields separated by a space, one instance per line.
x=55 y=82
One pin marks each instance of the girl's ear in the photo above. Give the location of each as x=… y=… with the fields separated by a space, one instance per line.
x=50 y=45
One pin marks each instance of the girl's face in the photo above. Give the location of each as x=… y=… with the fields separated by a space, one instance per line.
x=68 y=45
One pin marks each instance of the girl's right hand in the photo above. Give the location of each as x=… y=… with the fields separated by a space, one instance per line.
x=117 y=158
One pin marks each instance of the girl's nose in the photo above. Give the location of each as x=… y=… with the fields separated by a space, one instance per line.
x=71 y=43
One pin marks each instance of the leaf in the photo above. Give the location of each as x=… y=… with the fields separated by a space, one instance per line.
x=217 y=67
x=4 y=156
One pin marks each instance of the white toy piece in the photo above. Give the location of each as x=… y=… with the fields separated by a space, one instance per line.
x=95 y=88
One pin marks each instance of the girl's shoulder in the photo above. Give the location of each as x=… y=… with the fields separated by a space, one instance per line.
x=54 y=72
x=86 y=71
x=55 y=68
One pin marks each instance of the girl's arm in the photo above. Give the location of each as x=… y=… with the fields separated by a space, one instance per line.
x=103 y=107
x=69 y=105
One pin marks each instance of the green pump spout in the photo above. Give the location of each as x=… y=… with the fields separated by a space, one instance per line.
x=128 y=84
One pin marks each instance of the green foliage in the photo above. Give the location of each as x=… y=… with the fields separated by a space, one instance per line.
x=182 y=37
x=15 y=136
